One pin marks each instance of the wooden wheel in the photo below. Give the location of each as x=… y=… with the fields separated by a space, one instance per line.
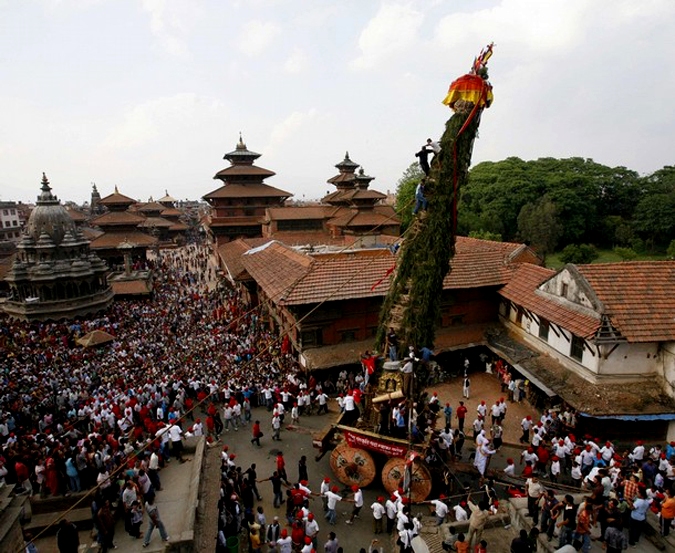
x=418 y=478
x=352 y=466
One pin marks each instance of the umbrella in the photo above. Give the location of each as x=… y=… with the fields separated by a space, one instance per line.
x=95 y=338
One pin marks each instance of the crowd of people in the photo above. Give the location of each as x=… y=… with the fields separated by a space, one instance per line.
x=73 y=419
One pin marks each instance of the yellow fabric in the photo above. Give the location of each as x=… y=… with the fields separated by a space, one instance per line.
x=473 y=96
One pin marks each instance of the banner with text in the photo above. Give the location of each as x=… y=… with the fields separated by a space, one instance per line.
x=365 y=442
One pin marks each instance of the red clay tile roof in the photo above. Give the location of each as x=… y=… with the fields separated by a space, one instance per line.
x=481 y=263
x=307 y=237
x=76 y=214
x=158 y=222
x=638 y=296
x=342 y=276
x=114 y=218
x=243 y=170
x=150 y=207
x=116 y=199
x=276 y=268
x=111 y=240
x=231 y=254
x=252 y=190
x=171 y=212
x=352 y=273
x=522 y=290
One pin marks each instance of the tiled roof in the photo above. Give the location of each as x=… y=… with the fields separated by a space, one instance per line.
x=171 y=212
x=276 y=268
x=243 y=170
x=638 y=296
x=150 y=207
x=76 y=215
x=116 y=199
x=522 y=290
x=481 y=263
x=346 y=275
x=291 y=213
x=231 y=253
x=111 y=240
x=114 y=218
x=308 y=237
x=158 y=222
x=252 y=190
x=353 y=273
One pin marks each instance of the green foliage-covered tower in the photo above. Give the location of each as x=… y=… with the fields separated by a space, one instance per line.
x=412 y=305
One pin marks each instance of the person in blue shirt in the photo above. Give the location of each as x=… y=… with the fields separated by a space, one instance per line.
x=638 y=516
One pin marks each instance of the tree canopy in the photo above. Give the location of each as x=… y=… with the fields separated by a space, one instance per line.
x=593 y=203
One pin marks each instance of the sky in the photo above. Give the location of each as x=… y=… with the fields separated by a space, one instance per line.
x=148 y=95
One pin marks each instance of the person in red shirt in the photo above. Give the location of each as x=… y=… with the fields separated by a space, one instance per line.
x=257 y=434
x=281 y=467
x=23 y=477
x=461 y=415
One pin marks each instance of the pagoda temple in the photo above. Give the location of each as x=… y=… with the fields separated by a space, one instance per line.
x=55 y=275
x=238 y=206
x=121 y=227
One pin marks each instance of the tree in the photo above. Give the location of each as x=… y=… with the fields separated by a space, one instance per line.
x=626 y=254
x=578 y=254
x=655 y=218
x=405 y=193
x=538 y=225
x=671 y=250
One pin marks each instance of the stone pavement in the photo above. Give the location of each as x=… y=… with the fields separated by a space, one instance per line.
x=484 y=387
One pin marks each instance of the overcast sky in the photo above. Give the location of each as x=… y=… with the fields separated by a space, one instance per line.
x=150 y=94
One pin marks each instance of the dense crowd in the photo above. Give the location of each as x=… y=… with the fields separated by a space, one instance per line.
x=76 y=418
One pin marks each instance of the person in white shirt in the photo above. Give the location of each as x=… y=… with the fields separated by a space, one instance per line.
x=461 y=514
x=176 y=436
x=331 y=501
x=441 y=509
x=391 y=510
x=358 y=503
x=379 y=512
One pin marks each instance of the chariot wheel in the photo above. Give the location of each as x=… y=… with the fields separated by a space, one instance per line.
x=352 y=466
x=414 y=477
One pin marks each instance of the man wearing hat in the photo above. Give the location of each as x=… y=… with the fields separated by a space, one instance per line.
x=358 y=503
x=379 y=512
x=312 y=529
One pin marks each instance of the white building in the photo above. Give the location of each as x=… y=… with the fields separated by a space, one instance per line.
x=10 y=225
x=600 y=336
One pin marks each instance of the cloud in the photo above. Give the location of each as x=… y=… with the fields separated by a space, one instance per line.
x=151 y=123
x=393 y=29
x=171 y=22
x=256 y=36
x=297 y=62
x=283 y=132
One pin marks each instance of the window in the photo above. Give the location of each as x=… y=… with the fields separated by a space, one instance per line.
x=577 y=349
x=6 y=223
x=5 y=212
x=15 y=223
x=348 y=336
x=312 y=337
x=543 y=328
x=12 y=211
x=519 y=316
x=564 y=290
